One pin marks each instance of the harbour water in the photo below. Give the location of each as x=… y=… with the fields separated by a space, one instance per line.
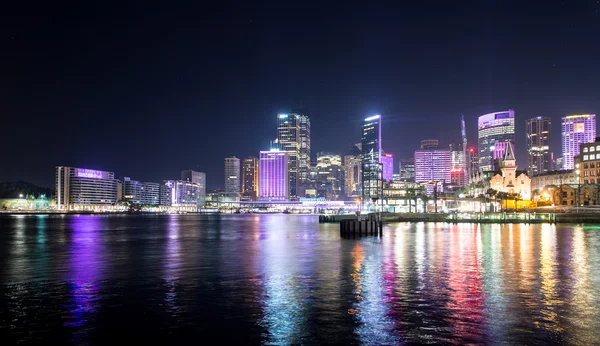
x=286 y=279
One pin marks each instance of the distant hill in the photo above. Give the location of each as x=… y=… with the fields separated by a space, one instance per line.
x=13 y=190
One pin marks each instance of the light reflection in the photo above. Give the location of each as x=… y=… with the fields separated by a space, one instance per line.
x=86 y=266
x=548 y=266
x=172 y=261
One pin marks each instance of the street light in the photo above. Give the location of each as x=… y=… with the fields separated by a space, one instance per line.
x=20 y=195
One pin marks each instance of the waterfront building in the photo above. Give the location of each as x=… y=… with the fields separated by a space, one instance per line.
x=509 y=180
x=539 y=157
x=589 y=163
x=232 y=176
x=407 y=169
x=352 y=175
x=493 y=128
x=140 y=192
x=388 y=166
x=181 y=193
x=371 y=153
x=82 y=188
x=553 y=178
x=576 y=129
x=194 y=177
x=273 y=175
x=330 y=176
x=250 y=178
x=293 y=136
x=432 y=164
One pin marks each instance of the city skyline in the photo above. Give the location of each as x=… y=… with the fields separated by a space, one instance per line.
x=59 y=82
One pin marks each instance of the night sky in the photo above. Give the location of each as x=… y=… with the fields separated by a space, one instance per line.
x=146 y=91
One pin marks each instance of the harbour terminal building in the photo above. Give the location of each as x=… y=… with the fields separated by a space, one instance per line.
x=85 y=189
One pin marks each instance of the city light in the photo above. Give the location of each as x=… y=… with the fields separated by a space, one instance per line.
x=283 y=116
x=373 y=117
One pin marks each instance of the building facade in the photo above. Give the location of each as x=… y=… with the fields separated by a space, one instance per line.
x=433 y=164
x=539 y=157
x=232 y=176
x=77 y=187
x=352 y=175
x=371 y=153
x=140 y=192
x=181 y=193
x=293 y=136
x=330 y=176
x=388 y=166
x=273 y=176
x=576 y=130
x=589 y=163
x=493 y=128
x=250 y=177
x=406 y=169
x=510 y=181
x=553 y=178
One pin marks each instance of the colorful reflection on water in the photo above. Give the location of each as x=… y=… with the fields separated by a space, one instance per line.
x=280 y=279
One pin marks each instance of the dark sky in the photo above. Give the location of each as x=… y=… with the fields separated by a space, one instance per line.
x=146 y=91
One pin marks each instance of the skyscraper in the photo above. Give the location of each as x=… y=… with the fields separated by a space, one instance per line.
x=371 y=151
x=198 y=178
x=407 y=169
x=576 y=129
x=330 y=175
x=432 y=164
x=293 y=136
x=459 y=167
x=493 y=128
x=352 y=175
x=250 y=178
x=78 y=188
x=232 y=176
x=388 y=166
x=539 y=159
x=273 y=172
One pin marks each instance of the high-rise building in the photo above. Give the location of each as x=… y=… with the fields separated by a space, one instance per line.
x=433 y=165
x=140 y=192
x=589 y=163
x=352 y=175
x=250 y=178
x=493 y=128
x=181 y=193
x=80 y=187
x=539 y=158
x=371 y=152
x=330 y=175
x=196 y=178
x=388 y=166
x=232 y=176
x=576 y=130
x=407 y=170
x=459 y=165
x=293 y=136
x=273 y=175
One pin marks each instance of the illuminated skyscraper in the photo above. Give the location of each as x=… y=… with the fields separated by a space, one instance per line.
x=77 y=187
x=432 y=164
x=576 y=130
x=388 y=166
x=232 y=176
x=293 y=136
x=352 y=175
x=371 y=152
x=273 y=172
x=250 y=178
x=539 y=158
x=493 y=128
x=330 y=175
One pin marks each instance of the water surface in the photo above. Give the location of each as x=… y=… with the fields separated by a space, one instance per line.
x=281 y=279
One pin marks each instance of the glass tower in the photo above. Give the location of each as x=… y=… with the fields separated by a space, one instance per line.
x=371 y=152
x=539 y=159
x=273 y=175
x=293 y=136
x=493 y=128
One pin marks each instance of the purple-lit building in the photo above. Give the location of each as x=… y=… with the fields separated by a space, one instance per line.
x=433 y=165
x=273 y=176
x=388 y=166
x=82 y=186
x=576 y=130
x=498 y=151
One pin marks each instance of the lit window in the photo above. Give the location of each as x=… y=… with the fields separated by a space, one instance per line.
x=585 y=150
x=591 y=149
x=585 y=157
x=597 y=156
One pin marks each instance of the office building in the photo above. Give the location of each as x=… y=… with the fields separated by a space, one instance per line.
x=273 y=176
x=388 y=166
x=293 y=136
x=539 y=157
x=589 y=163
x=77 y=187
x=250 y=177
x=433 y=164
x=181 y=193
x=371 y=152
x=459 y=169
x=406 y=169
x=576 y=130
x=352 y=175
x=493 y=128
x=140 y=192
x=196 y=178
x=330 y=176
x=232 y=176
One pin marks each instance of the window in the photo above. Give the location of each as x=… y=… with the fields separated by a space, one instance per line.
x=585 y=150
x=585 y=157
x=598 y=148
x=585 y=165
x=592 y=165
x=597 y=156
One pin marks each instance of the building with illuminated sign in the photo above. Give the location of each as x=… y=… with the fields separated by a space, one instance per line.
x=576 y=130
x=81 y=186
x=140 y=192
x=493 y=128
x=293 y=136
x=371 y=152
x=273 y=176
x=539 y=158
